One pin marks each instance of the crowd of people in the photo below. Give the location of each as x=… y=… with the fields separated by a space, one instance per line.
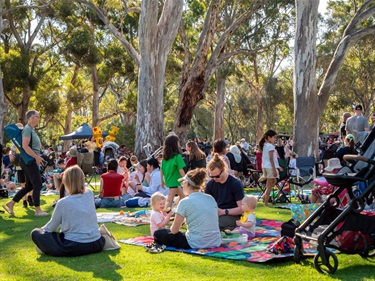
x=200 y=187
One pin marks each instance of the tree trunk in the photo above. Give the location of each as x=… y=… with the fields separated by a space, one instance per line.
x=23 y=106
x=219 y=107
x=306 y=110
x=67 y=129
x=259 y=118
x=3 y=106
x=95 y=96
x=155 y=41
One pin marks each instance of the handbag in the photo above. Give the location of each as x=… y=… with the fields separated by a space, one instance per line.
x=288 y=228
x=110 y=240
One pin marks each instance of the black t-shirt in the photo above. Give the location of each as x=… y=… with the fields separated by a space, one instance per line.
x=226 y=194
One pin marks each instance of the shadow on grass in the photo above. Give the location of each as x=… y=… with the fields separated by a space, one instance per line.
x=101 y=265
x=353 y=272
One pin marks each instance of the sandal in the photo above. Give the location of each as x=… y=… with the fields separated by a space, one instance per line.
x=42 y=214
x=8 y=210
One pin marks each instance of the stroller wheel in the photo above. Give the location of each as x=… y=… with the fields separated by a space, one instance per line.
x=326 y=268
x=357 y=205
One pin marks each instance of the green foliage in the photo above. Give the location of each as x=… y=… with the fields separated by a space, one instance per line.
x=79 y=42
x=15 y=70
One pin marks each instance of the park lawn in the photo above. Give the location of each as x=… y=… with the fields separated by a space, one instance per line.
x=20 y=261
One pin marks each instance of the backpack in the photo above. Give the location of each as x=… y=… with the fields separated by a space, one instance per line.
x=353 y=241
x=288 y=228
x=14 y=134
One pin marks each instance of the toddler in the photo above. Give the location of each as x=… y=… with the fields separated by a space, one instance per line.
x=246 y=224
x=159 y=218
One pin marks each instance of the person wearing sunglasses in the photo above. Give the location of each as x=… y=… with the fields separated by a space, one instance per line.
x=227 y=191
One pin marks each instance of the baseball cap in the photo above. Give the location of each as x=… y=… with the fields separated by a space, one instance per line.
x=358 y=107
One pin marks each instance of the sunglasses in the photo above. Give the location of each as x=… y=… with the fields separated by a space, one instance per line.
x=216 y=177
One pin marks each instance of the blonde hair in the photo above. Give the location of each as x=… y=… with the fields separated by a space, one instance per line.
x=134 y=158
x=250 y=200
x=216 y=162
x=157 y=197
x=74 y=180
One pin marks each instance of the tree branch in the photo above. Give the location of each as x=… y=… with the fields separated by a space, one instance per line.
x=338 y=58
x=128 y=47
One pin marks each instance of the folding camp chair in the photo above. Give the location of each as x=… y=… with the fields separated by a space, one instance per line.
x=86 y=161
x=282 y=185
x=304 y=173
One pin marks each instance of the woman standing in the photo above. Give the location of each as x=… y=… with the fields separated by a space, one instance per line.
x=199 y=211
x=75 y=216
x=31 y=145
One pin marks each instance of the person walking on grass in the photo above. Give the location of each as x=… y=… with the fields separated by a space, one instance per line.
x=31 y=145
x=172 y=168
x=270 y=164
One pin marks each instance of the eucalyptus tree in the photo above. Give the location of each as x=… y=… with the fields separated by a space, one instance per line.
x=309 y=104
x=355 y=79
x=156 y=34
x=25 y=59
x=3 y=105
x=230 y=33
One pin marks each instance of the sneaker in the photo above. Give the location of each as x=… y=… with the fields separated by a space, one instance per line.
x=155 y=248
x=31 y=201
x=24 y=204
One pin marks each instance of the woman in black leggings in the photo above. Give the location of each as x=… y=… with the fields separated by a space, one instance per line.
x=31 y=145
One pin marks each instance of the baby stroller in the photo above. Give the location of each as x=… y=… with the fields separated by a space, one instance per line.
x=350 y=229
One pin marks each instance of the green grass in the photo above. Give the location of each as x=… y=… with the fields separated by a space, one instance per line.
x=19 y=260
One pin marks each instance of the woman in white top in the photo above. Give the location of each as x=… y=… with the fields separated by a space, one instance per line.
x=155 y=182
x=270 y=164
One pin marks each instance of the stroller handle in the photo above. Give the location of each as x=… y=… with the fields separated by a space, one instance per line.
x=358 y=158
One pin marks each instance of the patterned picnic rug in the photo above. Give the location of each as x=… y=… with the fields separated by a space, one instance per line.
x=268 y=231
x=125 y=218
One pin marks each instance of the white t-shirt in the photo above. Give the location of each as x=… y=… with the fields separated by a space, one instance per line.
x=250 y=217
x=155 y=219
x=266 y=161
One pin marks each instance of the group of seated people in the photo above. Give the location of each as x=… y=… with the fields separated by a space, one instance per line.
x=206 y=214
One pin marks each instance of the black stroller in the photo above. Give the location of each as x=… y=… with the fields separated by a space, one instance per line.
x=350 y=230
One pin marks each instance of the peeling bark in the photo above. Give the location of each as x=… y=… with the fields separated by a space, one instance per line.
x=306 y=108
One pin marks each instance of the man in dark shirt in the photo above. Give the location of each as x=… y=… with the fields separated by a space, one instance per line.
x=228 y=193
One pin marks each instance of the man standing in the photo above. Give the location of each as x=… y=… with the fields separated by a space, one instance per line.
x=357 y=125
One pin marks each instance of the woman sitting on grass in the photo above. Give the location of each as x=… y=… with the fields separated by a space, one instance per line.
x=75 y=216
x=199 y=211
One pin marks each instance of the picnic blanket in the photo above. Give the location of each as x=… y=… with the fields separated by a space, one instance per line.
x=267 y=232
x=125 y=218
